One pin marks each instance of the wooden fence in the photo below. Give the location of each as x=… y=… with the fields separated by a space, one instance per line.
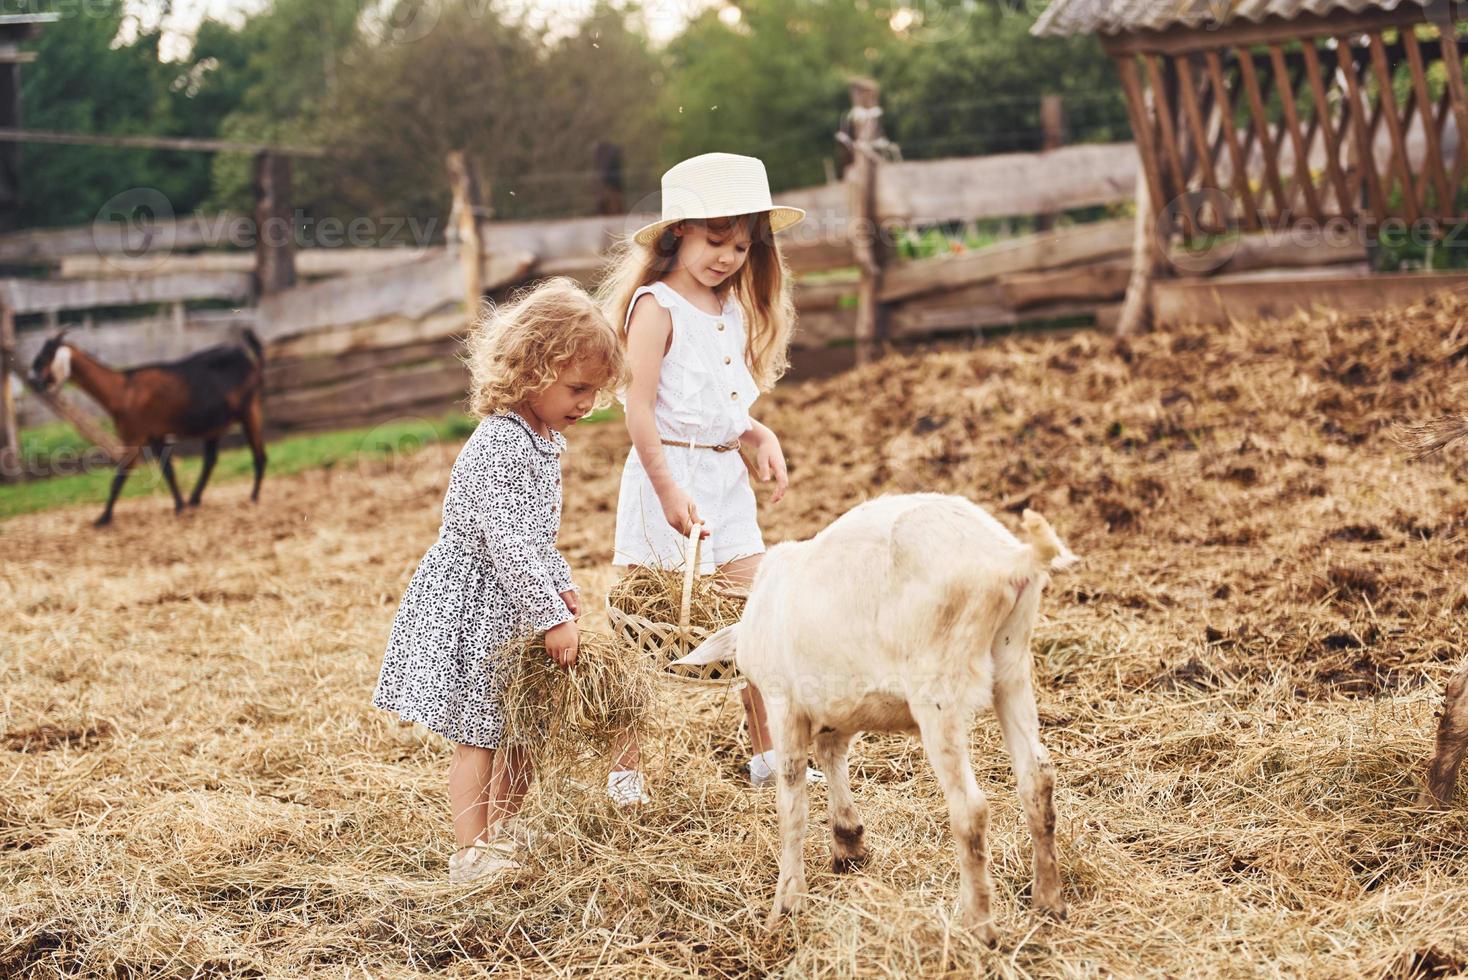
x=369 y=334
x=374 y=333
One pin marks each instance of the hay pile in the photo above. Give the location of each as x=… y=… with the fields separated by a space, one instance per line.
x=1238 y=686
x=1244 y=480
x=569 y=717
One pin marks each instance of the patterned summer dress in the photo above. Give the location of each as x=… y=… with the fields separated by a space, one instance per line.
x=493 y=575
x=705 y=390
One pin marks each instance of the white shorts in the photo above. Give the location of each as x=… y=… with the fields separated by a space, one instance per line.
x=719 y=485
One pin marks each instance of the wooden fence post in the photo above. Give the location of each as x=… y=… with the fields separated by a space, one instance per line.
x=1136 y=309
x=607 y=162
x=10 y=462
x=275 y=233
x=465 y=229
x=867 y=233
x=1052 y=125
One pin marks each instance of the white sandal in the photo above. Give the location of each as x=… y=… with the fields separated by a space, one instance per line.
x=483 y=857
x=626 y=788
x=766 y=776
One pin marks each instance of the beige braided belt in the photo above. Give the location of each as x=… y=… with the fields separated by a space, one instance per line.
x=727 y=447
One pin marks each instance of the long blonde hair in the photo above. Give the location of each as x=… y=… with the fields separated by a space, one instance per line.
x=761 y=287
x=518 y=350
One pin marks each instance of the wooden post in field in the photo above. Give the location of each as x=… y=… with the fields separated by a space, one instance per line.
x=866 y=232
x=1052 y=125
x=1136 y=309
x=9 y=426
x=80 y=420
x=464 y=227
x=275 y=232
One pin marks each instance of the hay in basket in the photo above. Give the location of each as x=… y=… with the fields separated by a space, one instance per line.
x=659 y=616
x=577 y=715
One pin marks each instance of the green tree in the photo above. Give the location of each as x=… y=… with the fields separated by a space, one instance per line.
x=773 y=85
x=80 y=82
x=272 y=77
x=528 y=109
x=958 y=77
x=971 y=84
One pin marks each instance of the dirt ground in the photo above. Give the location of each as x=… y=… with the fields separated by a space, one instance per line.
x=1238 y=686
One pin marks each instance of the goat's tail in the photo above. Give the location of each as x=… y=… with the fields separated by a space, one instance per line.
x=1050 y=552
x=257 y=350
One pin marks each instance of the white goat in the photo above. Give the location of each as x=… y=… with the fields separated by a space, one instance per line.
x=908 y=613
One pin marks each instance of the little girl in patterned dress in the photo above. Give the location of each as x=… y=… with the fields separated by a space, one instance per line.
x=703 y=300
x=494 y=575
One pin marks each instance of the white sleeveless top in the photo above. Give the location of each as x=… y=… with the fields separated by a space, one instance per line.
x=705 y=389
x=704 y=393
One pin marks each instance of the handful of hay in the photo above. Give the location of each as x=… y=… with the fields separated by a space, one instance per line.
x=566 y=716
x=646 y=609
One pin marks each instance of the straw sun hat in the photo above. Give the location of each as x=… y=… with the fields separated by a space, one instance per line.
x=716 y=185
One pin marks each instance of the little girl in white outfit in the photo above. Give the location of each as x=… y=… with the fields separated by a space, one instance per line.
x=704 y=393
x=703 y=299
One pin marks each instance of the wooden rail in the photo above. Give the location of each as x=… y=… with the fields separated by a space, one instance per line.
x=383 y=338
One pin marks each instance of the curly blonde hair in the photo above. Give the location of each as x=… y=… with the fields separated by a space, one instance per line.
x=517 y=350
x=762 y=287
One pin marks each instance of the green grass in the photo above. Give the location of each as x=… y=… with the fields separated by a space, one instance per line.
x=293 y=454
x=942 y=241
x=957 y=236
x=817 y=277
x=55 y=439
x=612 y=413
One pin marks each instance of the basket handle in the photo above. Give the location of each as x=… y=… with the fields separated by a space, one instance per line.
x=690 y=572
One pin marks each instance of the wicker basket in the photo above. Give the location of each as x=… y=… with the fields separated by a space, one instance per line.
x=662 y=643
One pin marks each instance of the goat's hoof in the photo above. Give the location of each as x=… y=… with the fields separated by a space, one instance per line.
x=785 y=905
x=1435 y=797
x=778 y=914
x=853 y=861
x=985 y=931
x=193 y=503
x=102 y=521
x=1054 y=911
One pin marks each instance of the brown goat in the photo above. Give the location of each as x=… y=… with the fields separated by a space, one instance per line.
x=197 y=397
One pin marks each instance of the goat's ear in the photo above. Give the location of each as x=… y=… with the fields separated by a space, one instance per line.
x=721 y=646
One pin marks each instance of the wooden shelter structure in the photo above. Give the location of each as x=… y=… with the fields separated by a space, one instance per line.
x=1254 y=115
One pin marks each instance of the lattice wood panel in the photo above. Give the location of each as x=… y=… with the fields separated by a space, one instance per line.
x=1260 y=129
